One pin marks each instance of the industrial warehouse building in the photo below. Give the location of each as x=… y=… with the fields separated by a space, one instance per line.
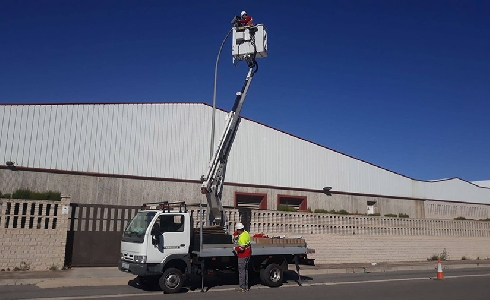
x=123 y=155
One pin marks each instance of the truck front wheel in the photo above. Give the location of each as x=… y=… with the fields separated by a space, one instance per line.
x=272 y=275
x=171 y=280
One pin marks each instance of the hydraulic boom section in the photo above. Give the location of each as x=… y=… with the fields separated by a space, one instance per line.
x=212 y=184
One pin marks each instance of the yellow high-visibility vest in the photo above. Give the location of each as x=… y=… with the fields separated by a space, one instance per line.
x=244 y=238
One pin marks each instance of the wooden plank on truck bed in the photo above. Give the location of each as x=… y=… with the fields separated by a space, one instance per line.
x=278 y=241
x=211 y=230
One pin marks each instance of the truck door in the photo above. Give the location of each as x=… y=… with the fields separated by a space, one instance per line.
x=173 y=239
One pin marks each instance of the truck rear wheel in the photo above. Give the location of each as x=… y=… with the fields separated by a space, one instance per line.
x=272 y=275
x=171 y=280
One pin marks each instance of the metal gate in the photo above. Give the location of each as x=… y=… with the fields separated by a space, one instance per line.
x=94 y=235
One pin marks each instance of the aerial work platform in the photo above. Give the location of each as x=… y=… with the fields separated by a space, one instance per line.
x=249 y=41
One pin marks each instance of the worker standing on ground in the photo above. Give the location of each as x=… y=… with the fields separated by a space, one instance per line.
x=243 y=251
x=246 y=19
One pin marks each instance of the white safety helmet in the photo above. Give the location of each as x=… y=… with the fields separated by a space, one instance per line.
x=243 y=13
x=239 y=226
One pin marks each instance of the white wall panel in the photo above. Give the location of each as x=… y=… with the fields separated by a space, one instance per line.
x=130 y=139
x=285 y=160
x=171 y=140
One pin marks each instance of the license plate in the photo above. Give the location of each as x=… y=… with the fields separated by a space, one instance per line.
x=125 y=265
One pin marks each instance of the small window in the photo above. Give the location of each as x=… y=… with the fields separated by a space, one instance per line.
x=250 y=200
x=171 y=223
x=292 y=203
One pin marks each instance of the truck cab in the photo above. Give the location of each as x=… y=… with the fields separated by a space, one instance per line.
x=152 y=236
x=156 y=238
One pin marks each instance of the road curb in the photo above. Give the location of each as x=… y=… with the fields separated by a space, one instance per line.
x=387 y=269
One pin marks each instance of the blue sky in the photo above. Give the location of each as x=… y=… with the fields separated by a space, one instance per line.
x=404 y=85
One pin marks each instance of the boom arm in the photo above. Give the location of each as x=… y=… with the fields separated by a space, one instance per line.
x=212 y=184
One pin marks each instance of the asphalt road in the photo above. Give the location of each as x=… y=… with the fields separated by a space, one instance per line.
x=458 y=285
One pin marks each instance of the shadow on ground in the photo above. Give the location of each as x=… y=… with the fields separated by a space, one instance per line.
x=218 y=279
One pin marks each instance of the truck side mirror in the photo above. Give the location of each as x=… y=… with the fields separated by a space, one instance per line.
x=155 y=234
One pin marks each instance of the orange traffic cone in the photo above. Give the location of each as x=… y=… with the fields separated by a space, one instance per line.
x=440 y=275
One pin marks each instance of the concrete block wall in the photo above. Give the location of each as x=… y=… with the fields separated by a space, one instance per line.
x=33 y=234
x=273 y=223
x=362 y=239
x=331 y=248
x=443 y=210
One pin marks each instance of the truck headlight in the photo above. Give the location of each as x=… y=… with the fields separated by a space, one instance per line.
x=141 y=259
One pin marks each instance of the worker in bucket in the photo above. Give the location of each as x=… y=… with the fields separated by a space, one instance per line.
x=243 y=251
x=245 y=19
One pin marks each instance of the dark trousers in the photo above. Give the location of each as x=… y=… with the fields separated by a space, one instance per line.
x=243 y=272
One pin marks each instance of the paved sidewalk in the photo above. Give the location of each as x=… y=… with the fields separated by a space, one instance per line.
x=111 y=276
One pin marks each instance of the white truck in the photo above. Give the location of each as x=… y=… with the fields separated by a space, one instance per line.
x=160 y=243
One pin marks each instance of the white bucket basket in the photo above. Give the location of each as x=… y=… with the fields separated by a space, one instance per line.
x=249 y=41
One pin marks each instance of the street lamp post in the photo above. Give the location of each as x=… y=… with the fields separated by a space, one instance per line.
x=213 y=122
x=213 y=119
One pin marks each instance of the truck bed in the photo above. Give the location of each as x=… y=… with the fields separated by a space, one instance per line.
x=219 y=250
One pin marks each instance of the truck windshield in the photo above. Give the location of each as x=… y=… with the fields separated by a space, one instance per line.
x=136 y=229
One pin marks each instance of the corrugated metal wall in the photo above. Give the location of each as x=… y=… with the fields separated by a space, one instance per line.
x=131 y=139
x=274 y=158
x=171 y=140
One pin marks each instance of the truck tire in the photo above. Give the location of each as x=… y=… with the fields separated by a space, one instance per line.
x=262 y=276
x=272 y=275
x=171 y=281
